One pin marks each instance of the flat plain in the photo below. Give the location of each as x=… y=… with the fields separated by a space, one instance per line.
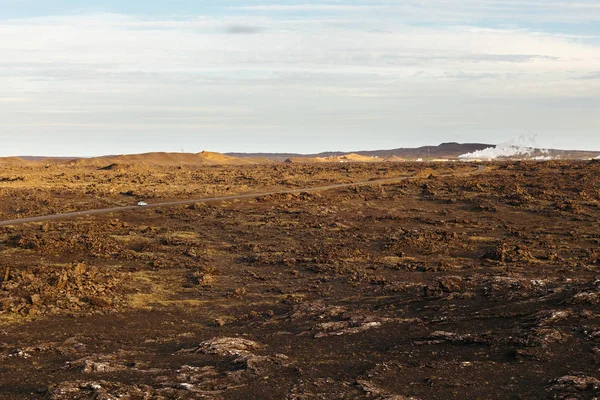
x=461 y=283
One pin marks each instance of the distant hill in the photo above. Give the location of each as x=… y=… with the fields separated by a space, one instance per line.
x=444 y=150
x=13 y=161
x=43 y=158
x=158 y=158
x=161 y=158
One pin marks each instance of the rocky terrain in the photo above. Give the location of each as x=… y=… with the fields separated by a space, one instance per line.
x=462 y=283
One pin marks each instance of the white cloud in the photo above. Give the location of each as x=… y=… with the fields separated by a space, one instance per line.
x=102 y=72
x=311 y=7
x=449 y=10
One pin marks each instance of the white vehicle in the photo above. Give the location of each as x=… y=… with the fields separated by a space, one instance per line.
x=142 y=203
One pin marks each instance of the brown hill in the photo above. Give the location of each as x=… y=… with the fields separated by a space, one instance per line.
x=303 y=160
x=448 y=151
x=160 y=158
x=353 y=157
x=16 y=161
x=444 y=150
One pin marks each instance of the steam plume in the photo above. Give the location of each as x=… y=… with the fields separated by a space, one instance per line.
x=523 y=147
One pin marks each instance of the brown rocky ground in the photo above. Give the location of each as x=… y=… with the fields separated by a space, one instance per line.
x=482 y=287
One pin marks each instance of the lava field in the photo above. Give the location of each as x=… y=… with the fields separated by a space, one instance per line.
x=462 y=282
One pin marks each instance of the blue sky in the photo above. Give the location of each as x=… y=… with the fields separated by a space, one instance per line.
x=106 y=77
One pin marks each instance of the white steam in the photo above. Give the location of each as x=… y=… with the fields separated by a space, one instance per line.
x=523 y=147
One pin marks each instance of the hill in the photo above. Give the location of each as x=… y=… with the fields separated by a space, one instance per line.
x=13 y=161
x=161 y=158
x=444 y=150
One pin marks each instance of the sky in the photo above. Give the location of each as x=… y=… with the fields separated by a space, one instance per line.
x=85 y=78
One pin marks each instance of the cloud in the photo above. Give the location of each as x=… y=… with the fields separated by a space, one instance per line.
x=244 y=29
x=457 y=11
x=311 y=7
x=89 y=47
x=302 y=77
x=591 y=76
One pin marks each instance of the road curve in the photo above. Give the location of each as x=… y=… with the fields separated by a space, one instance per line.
x=44 y=218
